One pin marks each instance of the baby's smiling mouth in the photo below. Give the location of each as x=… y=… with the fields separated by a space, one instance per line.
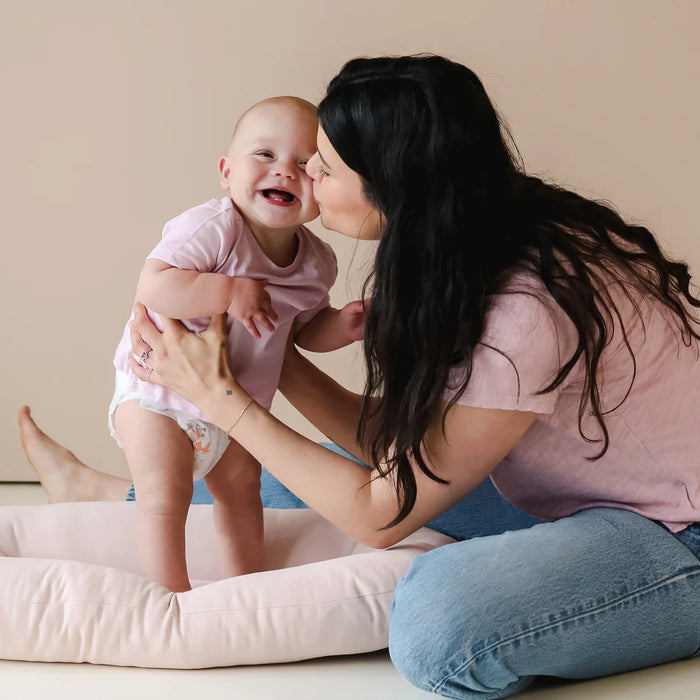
x=278 y=196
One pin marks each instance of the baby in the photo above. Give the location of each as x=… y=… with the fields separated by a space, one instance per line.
x=249 y=255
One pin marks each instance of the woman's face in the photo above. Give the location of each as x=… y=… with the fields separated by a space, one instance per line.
x=340 y=196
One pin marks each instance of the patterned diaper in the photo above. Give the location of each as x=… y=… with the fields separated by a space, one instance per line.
x=208 y=441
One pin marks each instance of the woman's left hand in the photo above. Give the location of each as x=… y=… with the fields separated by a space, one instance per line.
x=192 y=364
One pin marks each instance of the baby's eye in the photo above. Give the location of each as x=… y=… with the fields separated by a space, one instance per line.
x=264 y=154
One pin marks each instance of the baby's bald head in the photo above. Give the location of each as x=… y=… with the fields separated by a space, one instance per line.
x=286 y=106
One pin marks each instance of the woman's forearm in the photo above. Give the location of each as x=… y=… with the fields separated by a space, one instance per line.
x=332 y=408
x=354 y=499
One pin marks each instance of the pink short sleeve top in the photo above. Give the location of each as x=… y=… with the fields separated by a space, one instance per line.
x=213 y=237
x=652 y=465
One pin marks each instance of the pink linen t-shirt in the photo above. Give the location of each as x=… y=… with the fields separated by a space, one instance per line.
x=652 y=465
x=213 y=237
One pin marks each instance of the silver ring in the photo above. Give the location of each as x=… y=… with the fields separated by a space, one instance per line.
x=150 y=371
x=144 y=355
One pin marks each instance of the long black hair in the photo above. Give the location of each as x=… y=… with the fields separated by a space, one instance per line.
x=438 y=163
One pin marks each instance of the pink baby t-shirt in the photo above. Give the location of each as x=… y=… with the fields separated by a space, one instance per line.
x=213 y=237
x=652 y=465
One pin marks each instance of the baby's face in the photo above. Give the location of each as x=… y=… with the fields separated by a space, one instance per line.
x=265 y=169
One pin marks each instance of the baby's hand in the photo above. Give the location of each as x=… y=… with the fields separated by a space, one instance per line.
x=352 y=319
x=251 y=304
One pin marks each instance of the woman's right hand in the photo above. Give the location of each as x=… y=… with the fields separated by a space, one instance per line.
x=139 y=346
x=195 y=365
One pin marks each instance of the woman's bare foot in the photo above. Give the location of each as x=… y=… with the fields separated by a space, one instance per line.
x=63 y=476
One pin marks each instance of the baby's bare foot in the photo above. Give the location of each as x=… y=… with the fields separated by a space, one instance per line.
x=63 y=476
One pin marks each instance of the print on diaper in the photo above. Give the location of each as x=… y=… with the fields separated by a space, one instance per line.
x=199 y=436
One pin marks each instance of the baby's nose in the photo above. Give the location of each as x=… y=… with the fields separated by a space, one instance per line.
x=284 y=169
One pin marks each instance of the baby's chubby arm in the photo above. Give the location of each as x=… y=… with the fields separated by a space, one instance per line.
x=331 y=329
x=182 y=294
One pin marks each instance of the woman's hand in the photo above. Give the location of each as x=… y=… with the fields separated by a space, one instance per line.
x=192 y=364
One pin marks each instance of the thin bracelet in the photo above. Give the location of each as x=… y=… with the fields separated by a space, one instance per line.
x=239 y=416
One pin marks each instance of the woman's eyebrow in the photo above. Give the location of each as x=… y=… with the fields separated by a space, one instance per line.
x=323 y=160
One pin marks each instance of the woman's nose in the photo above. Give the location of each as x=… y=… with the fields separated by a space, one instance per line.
x=312 y=166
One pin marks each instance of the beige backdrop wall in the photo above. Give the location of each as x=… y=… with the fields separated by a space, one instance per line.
x=113 y=115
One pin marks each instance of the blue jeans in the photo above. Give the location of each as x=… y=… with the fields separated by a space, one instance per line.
x=601 y=592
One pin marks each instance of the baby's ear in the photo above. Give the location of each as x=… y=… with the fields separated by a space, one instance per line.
x=224 y=172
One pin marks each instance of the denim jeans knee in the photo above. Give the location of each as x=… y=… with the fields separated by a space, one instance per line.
x=602 y=592
x=440 y=593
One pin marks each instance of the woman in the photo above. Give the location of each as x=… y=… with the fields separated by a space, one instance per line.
x=516 y=330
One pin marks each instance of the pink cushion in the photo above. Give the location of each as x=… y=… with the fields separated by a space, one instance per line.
x=71 y=590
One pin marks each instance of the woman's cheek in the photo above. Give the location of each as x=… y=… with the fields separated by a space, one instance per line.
x=316 y=191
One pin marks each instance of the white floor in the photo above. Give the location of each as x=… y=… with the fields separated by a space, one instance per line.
x=365 y=677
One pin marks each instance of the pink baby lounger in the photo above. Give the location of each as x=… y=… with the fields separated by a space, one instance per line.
x=71 y=590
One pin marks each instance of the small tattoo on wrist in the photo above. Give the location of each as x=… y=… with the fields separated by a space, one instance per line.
x=229 y=392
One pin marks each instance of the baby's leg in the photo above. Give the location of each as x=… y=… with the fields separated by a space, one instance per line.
x=160 y=459
x=238 y=517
